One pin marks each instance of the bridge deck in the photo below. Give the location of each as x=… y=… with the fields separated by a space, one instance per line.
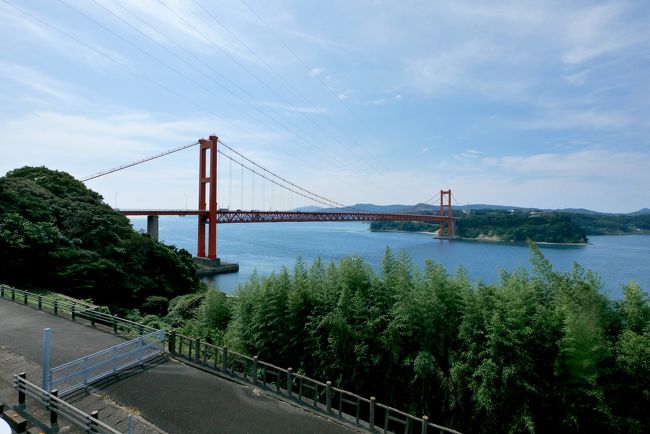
x=255 y=216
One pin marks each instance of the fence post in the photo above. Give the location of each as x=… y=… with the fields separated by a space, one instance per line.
x=46 y=359
x=72 y=311
x=371 y=416
x=172 y=341
x=40 y=302
x=225 y=359
x=162 y=334
x=56 y=307
x=2 y=291
x=114 y=325
x=425 y=424
x=140 y=329
x=94 y=417
x=25 y=298
x=289 y=381
x=54 y=417
x=197 y=349
x=85 y=370
x=21 y=390
x=114 y=359
x=328 y=397
x=255 y=370
x=13 y=294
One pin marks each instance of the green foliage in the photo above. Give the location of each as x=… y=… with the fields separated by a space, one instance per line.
x=504 y=225
x=541 y=351
x=58 y=235
x=551 y=227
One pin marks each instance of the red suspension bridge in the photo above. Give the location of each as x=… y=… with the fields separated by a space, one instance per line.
x=210 y=215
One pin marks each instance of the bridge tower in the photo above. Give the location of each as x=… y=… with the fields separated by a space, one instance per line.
x=449 y=220
x=208 y=151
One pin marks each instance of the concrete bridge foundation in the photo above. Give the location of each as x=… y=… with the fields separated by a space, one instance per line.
x=152 y=226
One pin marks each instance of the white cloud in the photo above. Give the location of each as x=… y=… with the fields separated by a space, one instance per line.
x=315 y=72
x=565 y=119
x=599 y=31
x=58 y=37
x=41 y=83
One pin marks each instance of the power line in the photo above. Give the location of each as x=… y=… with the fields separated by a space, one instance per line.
x=328 y=88
x=301 y=137
x=121 y=63
x=263 y=82
x=108 y=56
x=163 y=86
x=169 y=90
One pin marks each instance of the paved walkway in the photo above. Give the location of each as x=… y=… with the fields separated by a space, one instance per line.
x=109 y=412
x=175 y=397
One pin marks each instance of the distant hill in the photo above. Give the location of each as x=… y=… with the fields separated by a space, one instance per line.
x=429 y=208
x=308 y=209
x=642 y=211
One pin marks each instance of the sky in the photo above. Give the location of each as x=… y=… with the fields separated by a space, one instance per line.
x=536 y=104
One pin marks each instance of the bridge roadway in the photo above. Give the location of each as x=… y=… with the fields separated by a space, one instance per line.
x=255 y=216
x=173 y=396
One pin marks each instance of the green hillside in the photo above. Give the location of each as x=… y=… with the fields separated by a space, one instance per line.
x=56 y=234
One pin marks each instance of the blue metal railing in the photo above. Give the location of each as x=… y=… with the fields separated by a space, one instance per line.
x=79 y=373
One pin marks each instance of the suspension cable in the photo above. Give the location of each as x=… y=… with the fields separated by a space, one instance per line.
x=135 y=163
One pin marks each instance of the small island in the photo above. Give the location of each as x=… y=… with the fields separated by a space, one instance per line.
x=502 y=225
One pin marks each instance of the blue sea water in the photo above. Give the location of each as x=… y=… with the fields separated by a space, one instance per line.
x=266 y=247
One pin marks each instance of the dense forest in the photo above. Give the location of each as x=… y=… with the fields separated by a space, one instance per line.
x=611 y=224
x=503 y=225
x=541 y=351
x=58 y=235
x=539 y=226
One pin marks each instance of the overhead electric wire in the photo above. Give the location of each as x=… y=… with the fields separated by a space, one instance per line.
x=310 y=195
x=303 y=139
x=108 y=56
x=328 y=88
x=263 y=82
x=159 y=84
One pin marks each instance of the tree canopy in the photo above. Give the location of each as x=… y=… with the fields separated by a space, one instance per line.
x=550 y=227
x=539 y=351
x=57 y=234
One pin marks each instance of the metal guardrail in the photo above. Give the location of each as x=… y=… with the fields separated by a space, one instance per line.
x=58 y=407
x=336 y=403
x=73 y=310
x=79 y=373
x=321 y=397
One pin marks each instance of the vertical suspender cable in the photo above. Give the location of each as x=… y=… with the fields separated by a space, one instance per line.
x=241 y=202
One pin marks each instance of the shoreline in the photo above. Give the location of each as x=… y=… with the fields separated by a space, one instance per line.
x=501 y=241
x=485 y=239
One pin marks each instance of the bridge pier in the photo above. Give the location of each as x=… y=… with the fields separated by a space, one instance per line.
x=209 y=267
x=152 y=226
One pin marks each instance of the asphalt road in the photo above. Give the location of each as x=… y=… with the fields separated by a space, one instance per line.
x=175 y=397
